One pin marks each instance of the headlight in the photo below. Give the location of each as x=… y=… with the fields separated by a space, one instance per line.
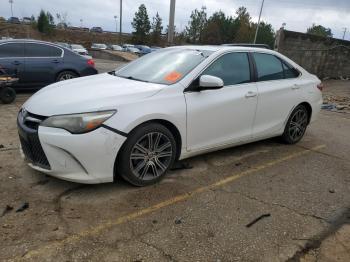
x=78 y=123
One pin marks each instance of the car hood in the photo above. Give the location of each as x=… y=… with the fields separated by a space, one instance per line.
x=88 y=94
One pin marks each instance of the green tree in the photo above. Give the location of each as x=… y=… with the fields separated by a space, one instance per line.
x=196 y=25
x=319 y=30
x=142 y=25
x=157 y=28
x=219 y=29
x=245 y=32
x=266 y=34
x=45 y=22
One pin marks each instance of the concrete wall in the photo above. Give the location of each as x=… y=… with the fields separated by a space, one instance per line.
x=323 y=56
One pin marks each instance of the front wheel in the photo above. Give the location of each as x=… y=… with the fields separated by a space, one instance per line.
x=296 y=125
x=7 y=95
x=147 y=155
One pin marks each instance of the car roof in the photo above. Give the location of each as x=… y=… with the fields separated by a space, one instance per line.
x=33 y=41
x=216 y=48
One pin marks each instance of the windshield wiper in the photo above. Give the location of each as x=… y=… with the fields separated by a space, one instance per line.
x=136 y=79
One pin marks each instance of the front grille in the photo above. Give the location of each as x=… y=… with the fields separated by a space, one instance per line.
x=28 y=135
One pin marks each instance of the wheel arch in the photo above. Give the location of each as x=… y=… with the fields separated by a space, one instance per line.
x=169 y=125
x=308 y=108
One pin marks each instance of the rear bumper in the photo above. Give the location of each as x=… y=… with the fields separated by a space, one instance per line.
x=316 y=108
x=89 y=71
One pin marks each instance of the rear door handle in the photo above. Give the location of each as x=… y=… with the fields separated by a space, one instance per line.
x=295 y=86
x=16 y=62
x=55 y=61
x=251 y=94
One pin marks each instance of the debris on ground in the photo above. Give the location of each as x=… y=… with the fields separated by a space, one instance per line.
x=335 y=103
x=2 y=146
x=23 y=207
x=238 y=164
x=178 y=221
x=331 y=191
x=181 y=165
x=257 y=219
x=7 y=209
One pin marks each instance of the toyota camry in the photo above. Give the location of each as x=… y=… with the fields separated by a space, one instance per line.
x=172 y=104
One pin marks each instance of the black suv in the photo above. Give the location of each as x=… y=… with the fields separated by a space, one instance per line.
x=38 y=63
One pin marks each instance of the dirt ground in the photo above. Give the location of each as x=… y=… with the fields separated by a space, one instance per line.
x=196 y=214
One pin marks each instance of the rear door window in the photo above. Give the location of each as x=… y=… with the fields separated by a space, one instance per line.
x=269 y=67
x=232 y=68
x=10 y=50
x=290 y=72
x=41 y=50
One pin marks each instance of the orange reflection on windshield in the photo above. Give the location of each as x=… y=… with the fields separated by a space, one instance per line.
x=173 y=76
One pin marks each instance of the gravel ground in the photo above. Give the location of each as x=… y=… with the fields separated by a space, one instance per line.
x=197 y=214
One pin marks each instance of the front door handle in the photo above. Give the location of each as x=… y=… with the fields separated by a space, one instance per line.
x=16 y=63
x=55 y=61
x=251 y=94
x=295 y=86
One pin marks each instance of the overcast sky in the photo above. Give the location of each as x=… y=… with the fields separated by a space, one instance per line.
x=297 y=14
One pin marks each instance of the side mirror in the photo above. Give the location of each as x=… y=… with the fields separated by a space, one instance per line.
x=208 y=82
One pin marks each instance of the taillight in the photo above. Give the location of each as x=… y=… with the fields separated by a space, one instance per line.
x=91 y=62
x=320 y=87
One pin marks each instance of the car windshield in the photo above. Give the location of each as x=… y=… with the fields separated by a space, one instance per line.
x=166 y=66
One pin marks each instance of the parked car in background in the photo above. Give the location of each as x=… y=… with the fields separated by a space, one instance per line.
x=144 y=50
x=38 y=63
x=98 y=47
x=173 y=104
x=73 y=28
x=125 y=46
x=79 y=49
x=2 y=19
x=13 y=20
x=85 y=29
x=26 y=20
x=61 y=25
x=155 y=48
x=96 y=29
x=116 y=48
x=65 y=45
x=133 y=50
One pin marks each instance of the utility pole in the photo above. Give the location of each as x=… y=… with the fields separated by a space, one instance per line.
x=116 y=23
x=11 y=3
x=121 y=21
x=171 y=22
x=345 y=29
x=81 y=23
x=257 y=27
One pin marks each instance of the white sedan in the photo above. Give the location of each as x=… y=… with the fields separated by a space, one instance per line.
x=172 y=104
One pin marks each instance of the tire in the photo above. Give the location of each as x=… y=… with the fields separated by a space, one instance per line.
x=142 y=164
x=296 y=125
x=7 y=95
x=66 y=75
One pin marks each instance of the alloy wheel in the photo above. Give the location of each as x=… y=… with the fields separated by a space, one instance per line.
x=66 y=77
x=151 y=156
x=298 y=124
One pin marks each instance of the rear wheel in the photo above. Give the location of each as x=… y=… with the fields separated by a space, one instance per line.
x=147 y=155
x=66 y=75
x=296 y=125
x=7 y=95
